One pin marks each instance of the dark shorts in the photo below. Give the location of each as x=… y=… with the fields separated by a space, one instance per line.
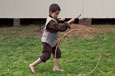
x=48 y=50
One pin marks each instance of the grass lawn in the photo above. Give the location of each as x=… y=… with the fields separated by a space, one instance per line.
x=20 y=46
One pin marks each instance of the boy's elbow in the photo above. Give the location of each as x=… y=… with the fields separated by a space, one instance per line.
x=63 y=29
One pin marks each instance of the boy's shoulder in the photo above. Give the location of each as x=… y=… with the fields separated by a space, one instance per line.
x=50 y=19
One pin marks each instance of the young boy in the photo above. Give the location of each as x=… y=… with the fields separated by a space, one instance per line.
x=49 y=37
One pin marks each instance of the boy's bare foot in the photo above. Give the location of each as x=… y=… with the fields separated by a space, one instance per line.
x=57 y=69
x=32 y=68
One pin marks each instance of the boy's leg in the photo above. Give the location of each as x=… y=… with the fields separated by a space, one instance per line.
x=58 y=55
x=46 y=53
x=34 y=64
x=55 y=67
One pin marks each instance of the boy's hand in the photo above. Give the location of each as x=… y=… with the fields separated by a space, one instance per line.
x=71 y=21
x=62 y=19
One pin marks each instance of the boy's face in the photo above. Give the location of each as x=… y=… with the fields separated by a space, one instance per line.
x=55 y=14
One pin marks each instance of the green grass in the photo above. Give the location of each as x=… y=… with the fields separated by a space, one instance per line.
x=21 y=46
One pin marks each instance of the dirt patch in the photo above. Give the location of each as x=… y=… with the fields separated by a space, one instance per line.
x=94 y=28
x=91 y=28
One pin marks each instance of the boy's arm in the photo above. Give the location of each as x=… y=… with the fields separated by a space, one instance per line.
x=61 y=19
x=71 y=21
x=55 y=27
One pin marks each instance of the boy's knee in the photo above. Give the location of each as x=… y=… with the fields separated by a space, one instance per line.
x=45 y=58
x=58 y=54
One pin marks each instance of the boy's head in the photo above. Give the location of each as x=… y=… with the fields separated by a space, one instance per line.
x=54 y=10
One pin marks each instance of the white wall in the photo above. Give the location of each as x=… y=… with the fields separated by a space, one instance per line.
x=70 y=8
x=99 y=8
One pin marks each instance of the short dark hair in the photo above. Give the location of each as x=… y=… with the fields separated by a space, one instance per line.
x=54 y=8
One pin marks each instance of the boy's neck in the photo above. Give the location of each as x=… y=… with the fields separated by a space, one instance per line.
x=50 y=16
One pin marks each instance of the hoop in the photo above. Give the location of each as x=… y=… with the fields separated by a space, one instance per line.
x=99 y=59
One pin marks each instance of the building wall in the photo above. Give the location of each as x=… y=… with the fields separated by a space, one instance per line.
x=99 y=8
x=70 y=8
